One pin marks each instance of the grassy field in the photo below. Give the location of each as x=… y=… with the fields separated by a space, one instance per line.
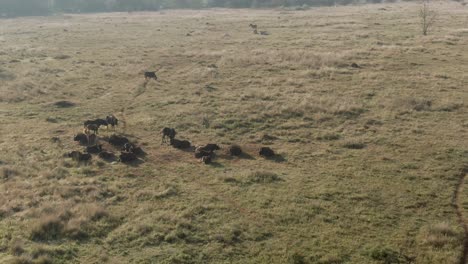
x=371 y=155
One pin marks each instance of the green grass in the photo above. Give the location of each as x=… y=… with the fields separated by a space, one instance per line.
x=370 y=156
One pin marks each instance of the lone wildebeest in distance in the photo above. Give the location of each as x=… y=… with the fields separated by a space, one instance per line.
x=112 y=120
x=266 y=152
x=253 y=26
x=167 y=132
x=151 y=75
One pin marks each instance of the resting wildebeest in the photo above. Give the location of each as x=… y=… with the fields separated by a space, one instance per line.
x=209 y=147
x=167 y=132
x=266 y=152
x=180 y=144
x=126 y=157
x=82 y=138
x=112 y=120
x=94 y=149
x=151 y=75
x=235 y=150
x=78 y=156
x=200 y=153
x=92 y=139
x=118 y=140
x=106 y=155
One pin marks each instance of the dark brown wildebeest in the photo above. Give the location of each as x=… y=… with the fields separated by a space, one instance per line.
x=107 y=155
x=118 y=140
x=151 y=75
x=112 y=120
x=167 y=132
x=94 y=149
x=266 y=152
x=127 y=157
x=199 y=152
x=78 y=156
x=206 y=159
x=235 y=150
x=209 y=147
x=91 y=128
x=92 y=139
x=82 y=138
x=180 y=144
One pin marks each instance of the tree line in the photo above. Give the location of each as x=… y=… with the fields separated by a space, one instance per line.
x=45 y=7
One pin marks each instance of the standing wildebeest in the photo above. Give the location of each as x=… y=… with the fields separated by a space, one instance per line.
x=112 y=120
x=168 y=132
x=253 y=26
x=151 y=75
x=91 y=128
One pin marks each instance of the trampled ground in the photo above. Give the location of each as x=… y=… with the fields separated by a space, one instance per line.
x=371 y=155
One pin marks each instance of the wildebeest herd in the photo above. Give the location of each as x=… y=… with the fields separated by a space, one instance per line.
x=129 y=152
x=89 y=138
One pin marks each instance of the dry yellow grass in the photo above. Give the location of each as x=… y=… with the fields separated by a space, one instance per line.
x=371 y=154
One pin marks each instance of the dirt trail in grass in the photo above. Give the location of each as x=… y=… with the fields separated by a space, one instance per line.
x=457 y=203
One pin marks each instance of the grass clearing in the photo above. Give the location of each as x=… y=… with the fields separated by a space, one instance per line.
x=370 y=154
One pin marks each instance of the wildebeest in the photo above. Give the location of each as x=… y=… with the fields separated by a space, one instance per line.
x=78 y=156
x=209 y=147
x=127 y=157
x=92 y=139
x=253 y=26
x=98 y=122
x=206 y=159
x=82 y=138
x=235 y=150
x=94 y=149
x=106 y=155
x=112 y=120
x=266 y=152
x=264 y=33
x=151 y=75
x=118 y=140
x=91 y=128
x=168 y=132
x=180 y=144
x=199 y=152
x=128 y=147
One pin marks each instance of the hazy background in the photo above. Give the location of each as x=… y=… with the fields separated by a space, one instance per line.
x=43 y=7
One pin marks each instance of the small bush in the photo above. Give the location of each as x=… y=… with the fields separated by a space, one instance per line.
x=48 y=228
x=263 y=177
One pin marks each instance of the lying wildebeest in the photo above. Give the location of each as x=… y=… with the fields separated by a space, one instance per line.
x=151 y=75
x=118 y=140
x=209 y=147
x=266 y=152
x=94 y=149
x=180 y=144
x=112 y=120
x=82 y=138
x=253 y=26
x=91 y=128
x=167 y=132
x=200 y=153
x=106 y=155
x=235 y=150
x=127 y=157
x=78 y=156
